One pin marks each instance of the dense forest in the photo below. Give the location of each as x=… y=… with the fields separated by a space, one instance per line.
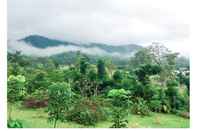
x=85 y=91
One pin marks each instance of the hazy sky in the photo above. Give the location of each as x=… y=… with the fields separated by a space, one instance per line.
x=107 y=21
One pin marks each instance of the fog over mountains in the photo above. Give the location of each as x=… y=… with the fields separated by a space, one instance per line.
x=112 y=22
x=37 y=45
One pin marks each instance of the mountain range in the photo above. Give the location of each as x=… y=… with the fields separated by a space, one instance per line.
x=66 y=52
x=43 y=42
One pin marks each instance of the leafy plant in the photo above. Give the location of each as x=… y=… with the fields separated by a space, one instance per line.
x=120 y=101
x=87 y=112
x=118 y=116
x=15 y=124
x=60 y=96
x=16 y=90
x=119 y=97
x=140 y=107
x=155 y=105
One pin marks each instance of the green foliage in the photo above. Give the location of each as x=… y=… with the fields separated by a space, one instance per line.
x=60 y=99
x=184 y=78
x=140 y=107
x=172 y=83
x=83 y=64
x=101 y=69
x=87 y=111
x=159 y=102
x=177 y=100
x=155 y=105
x=118 y=118
x=120 y=101
x=37 y=82
x=144 y=71
x=71 y=85
x=119 y=97
x=141 y=57
x=39 y=95
x=16 y=89
x=31 y=119
x=117 y=76
x=14 y=124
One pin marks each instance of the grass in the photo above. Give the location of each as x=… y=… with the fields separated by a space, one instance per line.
x=37 y=118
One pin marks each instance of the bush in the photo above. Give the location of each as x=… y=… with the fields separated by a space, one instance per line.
x=15 y=124
x=177 y=100
x=140 y=107
x=86 y=112
x=166 y=108
x=171 y=83
x=119 y=97
x=118 y=116
x=183 y=114
x=60 y=100
x=155 y=105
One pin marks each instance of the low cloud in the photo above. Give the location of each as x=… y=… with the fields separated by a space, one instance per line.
x=14 y=45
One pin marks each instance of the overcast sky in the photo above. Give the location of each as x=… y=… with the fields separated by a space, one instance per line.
x=107 y=21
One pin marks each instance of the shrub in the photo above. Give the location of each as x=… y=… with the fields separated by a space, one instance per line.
x=165 y=106
x=184 y=114
x=171 y=83
x=87 y=112
x=155 y=105
x=15 y=124
x=119 y=97
x=60 y=100
x=16 y=88
x=177 y=100
x=118 y=116
x=140 y=107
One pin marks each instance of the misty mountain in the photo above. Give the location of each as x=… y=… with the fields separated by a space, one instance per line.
x=43 y=42
x=65 y=52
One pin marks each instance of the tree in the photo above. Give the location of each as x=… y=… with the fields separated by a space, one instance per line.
x=144 y=71
x=170 y=65
x=16 y=90
x=84 y=65
x=38 y=81
x=158 y=51
x=117 y=76
x=172 y=92
x=60 y=99
x=165 y=59
x=110 y=66
x=120 y=101
x=118 y=118
x=141 y=57
x=119 y=97
x=101 y=69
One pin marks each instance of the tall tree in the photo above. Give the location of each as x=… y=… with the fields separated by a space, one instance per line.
x=141 y=57
x=60 y=99
x=16 y=90
x=101 y=69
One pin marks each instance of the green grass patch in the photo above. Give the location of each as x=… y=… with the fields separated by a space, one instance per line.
x=37 y=118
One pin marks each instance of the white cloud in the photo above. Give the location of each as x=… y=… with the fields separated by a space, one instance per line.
x=106 y=21
x=14 y=45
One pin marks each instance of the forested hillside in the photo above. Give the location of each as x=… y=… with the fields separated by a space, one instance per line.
x=44 y=42
x=150 y=89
